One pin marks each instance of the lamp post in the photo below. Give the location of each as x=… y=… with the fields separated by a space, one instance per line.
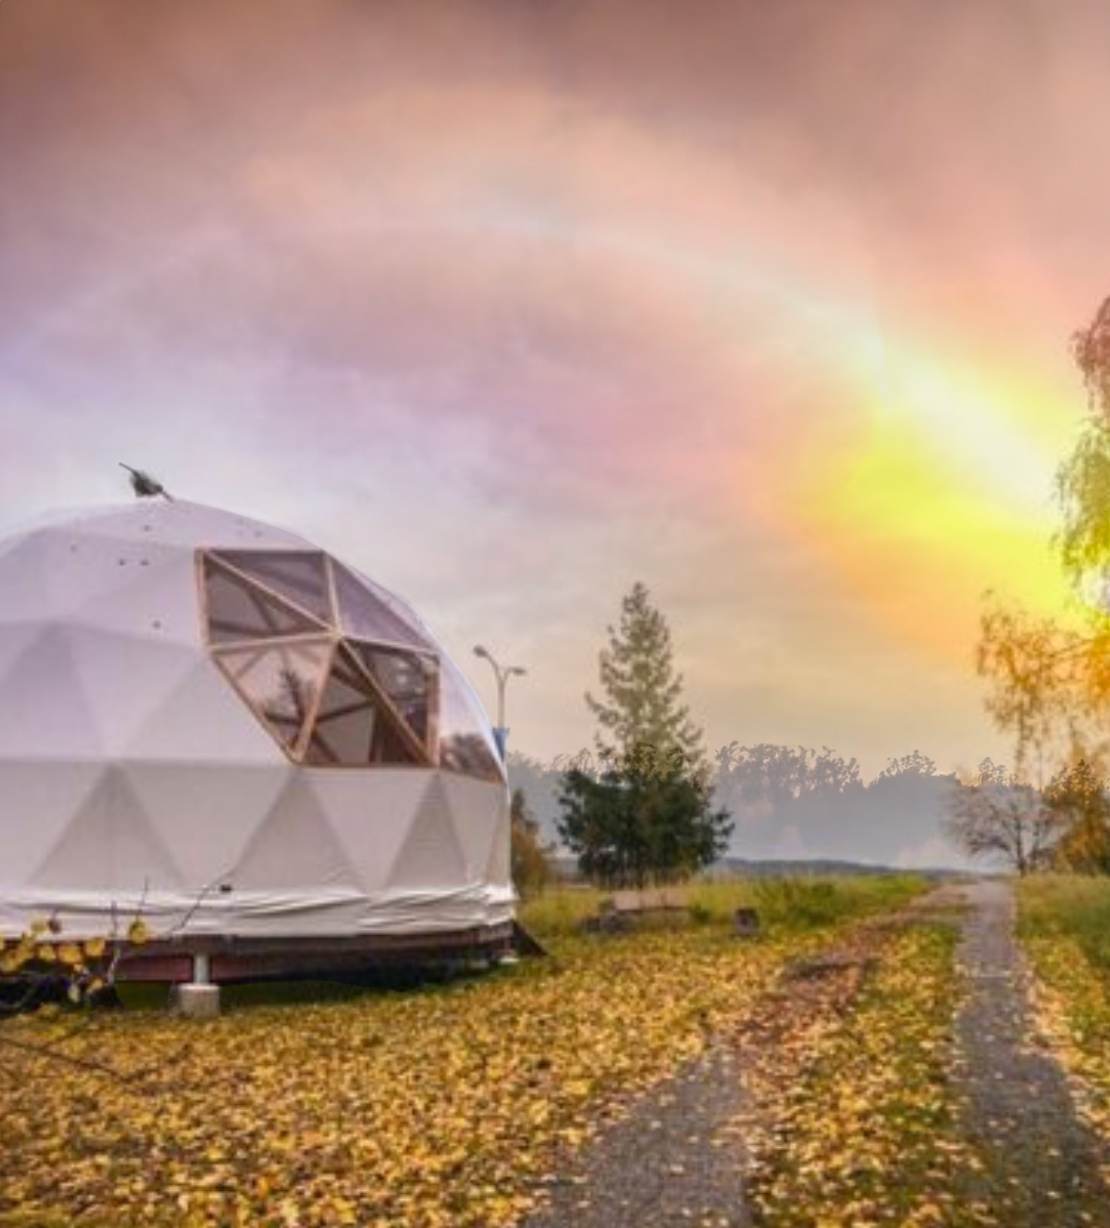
x=502 y=673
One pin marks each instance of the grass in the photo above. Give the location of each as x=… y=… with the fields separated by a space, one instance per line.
x=1069 y=908
x=784 y=904
x=560 y=911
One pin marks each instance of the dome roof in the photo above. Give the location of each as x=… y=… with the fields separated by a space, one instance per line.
x=190 y=696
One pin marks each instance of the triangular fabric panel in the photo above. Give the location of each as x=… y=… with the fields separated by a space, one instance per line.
x=204 y=721
x=27 y=590
x=44 y=799
x=207 y=812
x=45 y=713
x=15 y=639
x=294 y=846
x=9 y=545
x=431 y=855
x=92 y=579
x=155 y=599
x=124 y=681
x=480 y=811
x=110 y=845
x=370 y=813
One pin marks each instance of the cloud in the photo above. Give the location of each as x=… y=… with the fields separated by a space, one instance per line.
x=515 y=304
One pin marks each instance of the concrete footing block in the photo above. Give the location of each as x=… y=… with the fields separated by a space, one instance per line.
x=193 y=1001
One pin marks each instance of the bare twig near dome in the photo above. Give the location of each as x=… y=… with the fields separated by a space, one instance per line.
x=145 y=486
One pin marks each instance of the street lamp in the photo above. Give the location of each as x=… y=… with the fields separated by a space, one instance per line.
x=502 y=673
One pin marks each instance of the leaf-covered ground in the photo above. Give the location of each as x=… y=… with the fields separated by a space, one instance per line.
x=416 y=1109
x=1066 y=931
x=1074 y=1012
x=860 y=1123
x=455 y=1106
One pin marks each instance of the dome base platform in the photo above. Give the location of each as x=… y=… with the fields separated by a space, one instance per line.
x=230 y=958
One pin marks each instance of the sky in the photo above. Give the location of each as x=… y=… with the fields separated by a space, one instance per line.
x=511 y=305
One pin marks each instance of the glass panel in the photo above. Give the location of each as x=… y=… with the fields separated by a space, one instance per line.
x=345 y=726
x=280 y=682
x=344 y=737
x=239 y=611
x=404 y=677
x=366 y=616
x=469 y=754
x=389 y=747
x=296 y=574
x=236 y=662
x=351 y=729
x=465 y=738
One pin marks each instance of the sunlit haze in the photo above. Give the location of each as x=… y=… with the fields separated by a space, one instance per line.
x=512 y=305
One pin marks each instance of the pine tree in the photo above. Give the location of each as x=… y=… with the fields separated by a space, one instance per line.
x=642 y=703
x=647 y=815
x=644 y=819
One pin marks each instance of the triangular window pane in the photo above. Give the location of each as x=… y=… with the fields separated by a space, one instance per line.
x=468 y=753
x=299 y=575
x=237 y=610
x=280 y=683
x=344 y=727
x=351 y=726
x=404 y=677
x=390 y=747
x=366 y=616
x=464 y=743
x=345 y=737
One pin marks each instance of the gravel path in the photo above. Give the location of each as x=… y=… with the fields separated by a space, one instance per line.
x=665 y=1163
x=1042 y=1161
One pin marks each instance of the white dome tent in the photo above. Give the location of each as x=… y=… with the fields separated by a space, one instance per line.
x=213 y=723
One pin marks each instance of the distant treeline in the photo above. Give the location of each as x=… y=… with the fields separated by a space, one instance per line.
x=797 y=803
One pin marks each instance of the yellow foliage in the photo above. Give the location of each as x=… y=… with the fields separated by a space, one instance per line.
x=444 y=1109
x=860 y=1118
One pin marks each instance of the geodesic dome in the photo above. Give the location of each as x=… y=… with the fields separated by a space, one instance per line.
x=214 y=723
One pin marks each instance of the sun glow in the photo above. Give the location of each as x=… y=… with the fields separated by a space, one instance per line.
x=945 y=494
